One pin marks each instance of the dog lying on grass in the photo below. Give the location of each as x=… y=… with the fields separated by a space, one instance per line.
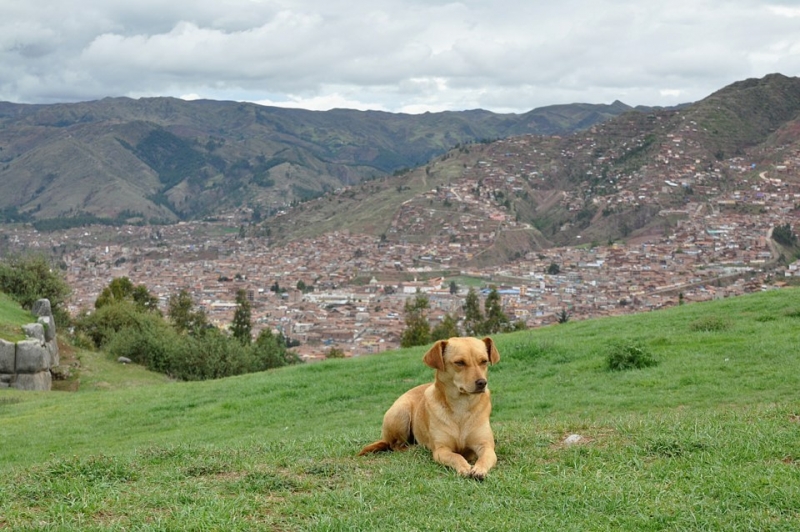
x=449 y=416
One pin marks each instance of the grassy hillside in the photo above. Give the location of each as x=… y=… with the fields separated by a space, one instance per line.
x=707 y=439
x=12 y=318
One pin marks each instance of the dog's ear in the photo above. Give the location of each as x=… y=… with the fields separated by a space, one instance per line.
x=435 y=355
x=494 y=354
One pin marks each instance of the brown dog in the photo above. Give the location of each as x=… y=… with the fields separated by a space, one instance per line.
x=451 y=415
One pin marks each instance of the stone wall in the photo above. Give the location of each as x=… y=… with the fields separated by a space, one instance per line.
x=25 y=365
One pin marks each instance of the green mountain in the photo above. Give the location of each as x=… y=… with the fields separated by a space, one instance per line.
x=164 y=159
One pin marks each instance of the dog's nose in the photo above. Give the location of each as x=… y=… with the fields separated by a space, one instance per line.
x=480 y=383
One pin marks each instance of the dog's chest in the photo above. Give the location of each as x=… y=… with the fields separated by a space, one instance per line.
x=458 y=425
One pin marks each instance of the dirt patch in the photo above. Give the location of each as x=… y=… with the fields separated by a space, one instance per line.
x=66 y=377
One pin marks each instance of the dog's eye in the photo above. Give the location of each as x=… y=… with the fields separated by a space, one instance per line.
x=484 y=362
x=460 y=363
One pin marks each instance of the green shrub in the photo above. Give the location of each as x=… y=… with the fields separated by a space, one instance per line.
x=334 y=352
x=622 y=356
x=106 y=322
x=152 y=344
x=270 y=351
x=123 y=328
x=710 y=324
x=32 y=277
x=212 y=356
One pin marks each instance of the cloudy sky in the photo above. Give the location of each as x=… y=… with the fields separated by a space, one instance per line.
x=393 y=55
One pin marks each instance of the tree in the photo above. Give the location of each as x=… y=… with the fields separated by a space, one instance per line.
x=446 y=329
x=242 y=328
x=553 y=269
x=119 y=289
x=271 y=351
x=182 y=315
x=418 y=330
x=453 y=288
x=144 y=299
x=30 y=278
x=122 y=289
x=473 y=317
x=563 y=316
x=496 y=320
x=783 y=235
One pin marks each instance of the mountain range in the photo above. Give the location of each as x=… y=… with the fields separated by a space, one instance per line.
x=163 y=159
x=559 y=175
x=634 y=175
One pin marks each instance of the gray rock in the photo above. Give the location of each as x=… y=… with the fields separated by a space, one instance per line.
x=49 y=325
x=42 y=308
x=41 y=381
x=8 y=357
x=34 y=331
x=52 y=349
x=32 y=357
x=573 y=439
x=124 y=360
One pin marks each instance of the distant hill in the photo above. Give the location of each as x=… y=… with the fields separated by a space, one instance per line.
x=164 y=159
x=629 y=176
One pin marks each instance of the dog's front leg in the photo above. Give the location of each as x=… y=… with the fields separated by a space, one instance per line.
x=486 y=460
x=447 y=457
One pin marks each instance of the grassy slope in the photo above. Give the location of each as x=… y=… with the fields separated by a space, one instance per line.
x=708 y=439
x=12 y=317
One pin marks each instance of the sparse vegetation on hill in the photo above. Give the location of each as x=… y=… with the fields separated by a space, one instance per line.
x=707 y=439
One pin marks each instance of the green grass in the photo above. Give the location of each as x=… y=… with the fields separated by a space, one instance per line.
x=12 y=318
x=706 y=439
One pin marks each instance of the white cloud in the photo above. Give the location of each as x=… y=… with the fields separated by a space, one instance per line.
x=410 y=55
x=670 y=93
x=785 y=11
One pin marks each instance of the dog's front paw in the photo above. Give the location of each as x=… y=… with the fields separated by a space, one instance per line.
x=477 y=473
x=464 y=472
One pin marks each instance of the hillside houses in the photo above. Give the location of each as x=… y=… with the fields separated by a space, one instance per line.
x=715 y=245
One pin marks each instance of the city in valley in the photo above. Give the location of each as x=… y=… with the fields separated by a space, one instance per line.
x=348 y=291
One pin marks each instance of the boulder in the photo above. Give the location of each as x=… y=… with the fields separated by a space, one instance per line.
x=32 y=357
x=52 y=350
x=8 y=357
x=41 y=381
x=49 y=325
x=42 y=308
x=26 y=364
x=34 y=331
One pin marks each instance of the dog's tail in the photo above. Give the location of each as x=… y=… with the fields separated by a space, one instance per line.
x=379 y=446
